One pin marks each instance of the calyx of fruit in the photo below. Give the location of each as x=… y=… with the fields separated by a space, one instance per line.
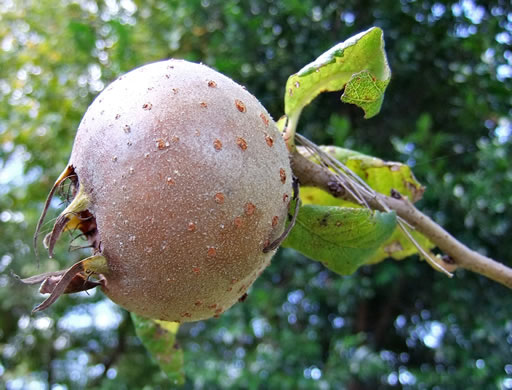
x=181 y=183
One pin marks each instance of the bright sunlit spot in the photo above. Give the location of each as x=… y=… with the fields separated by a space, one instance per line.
x=104 y=315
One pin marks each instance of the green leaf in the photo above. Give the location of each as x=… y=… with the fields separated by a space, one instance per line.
x=83 y=34
x=159 y=338
x=365 y=91
x=281 y=123
x=359 y=65
x=341 y=238
x=382 y=176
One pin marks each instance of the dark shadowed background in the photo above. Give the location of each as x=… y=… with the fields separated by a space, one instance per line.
x=395 y=325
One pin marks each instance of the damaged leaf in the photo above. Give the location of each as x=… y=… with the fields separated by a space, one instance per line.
x=358 y=64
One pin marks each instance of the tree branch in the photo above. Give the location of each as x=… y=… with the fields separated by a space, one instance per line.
x=311 y=174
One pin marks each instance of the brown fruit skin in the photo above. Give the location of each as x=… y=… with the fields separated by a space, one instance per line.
x=185 y=188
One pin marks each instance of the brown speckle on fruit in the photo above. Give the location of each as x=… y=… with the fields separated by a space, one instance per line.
x=186 y=314
x=212 y=84
x=250 y=208
x=242 y=143
x=238 y=222
x=240 y=105
x=161 y=144
x=147 y=106
x=269 y=140
x=191 y=227
x=219 y=310
x=126 y=128
x=213 y=306
x=118 y=116
x=212 y=252
x=217 y=144
x=204 y=104
x=282 y=174
x=264 y=119
x=219 y=198
x=170 y=181
x=275 y=220
x=175 y=90
x=285 y=197
x=198 y=303
x=196 y=270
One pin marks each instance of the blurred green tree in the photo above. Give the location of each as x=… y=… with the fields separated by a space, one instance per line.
x=394 y=325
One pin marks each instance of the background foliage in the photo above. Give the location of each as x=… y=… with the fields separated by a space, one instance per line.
x=393 y=325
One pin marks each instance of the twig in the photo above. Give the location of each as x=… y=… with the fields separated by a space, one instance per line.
x=311 y=174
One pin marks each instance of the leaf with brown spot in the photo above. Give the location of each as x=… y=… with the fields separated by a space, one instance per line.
x=341 y=238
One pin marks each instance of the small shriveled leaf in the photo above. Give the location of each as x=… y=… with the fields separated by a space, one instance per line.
x=359 y=65
x=341 y=238
x=159 y=338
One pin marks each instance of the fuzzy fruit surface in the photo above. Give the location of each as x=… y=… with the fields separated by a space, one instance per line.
x=188 y=179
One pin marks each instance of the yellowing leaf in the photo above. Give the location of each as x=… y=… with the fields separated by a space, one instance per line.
x=159 y=338
x=398 y=246
x=382 y=176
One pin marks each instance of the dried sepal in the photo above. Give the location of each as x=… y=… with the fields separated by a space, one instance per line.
x=72 y=280
x=68 y=219
x=68 y=172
